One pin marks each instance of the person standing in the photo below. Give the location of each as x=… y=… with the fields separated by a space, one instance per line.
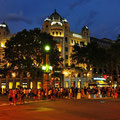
x=21 y=97
x=10 y=96
x=15 y=94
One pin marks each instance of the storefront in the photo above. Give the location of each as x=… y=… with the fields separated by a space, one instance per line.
x=99 y=82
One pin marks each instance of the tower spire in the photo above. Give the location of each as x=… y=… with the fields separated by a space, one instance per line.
x=55 y=10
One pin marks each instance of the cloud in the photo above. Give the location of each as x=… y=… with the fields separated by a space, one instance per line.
x=16 y=18
x=78 y=3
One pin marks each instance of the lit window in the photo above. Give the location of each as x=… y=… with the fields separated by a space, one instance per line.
x=67 y=84
x=38 y=85
x=10 y=85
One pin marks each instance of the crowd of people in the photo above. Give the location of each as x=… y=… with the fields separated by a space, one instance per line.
x=20 y=94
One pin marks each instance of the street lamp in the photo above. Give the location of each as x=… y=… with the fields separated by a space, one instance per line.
x=46 y=68
x=13 y=76
x=47 y=48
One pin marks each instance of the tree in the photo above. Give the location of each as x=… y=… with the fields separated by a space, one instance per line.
x=114 y=60
x=90 y=55
x=25 y=51
x=94 y=55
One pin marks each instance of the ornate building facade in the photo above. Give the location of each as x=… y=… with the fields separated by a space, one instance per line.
x=59 y=28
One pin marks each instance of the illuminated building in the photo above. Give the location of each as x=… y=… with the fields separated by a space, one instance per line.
x=4 y=35
x=59 y=28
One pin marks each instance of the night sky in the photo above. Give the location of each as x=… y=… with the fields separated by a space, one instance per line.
x=101 y=16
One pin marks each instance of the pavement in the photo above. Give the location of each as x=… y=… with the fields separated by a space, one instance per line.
x=67 y=109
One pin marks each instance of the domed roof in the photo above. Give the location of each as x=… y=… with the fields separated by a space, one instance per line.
x=55 y=16
x=3 y=25
x=85 y=27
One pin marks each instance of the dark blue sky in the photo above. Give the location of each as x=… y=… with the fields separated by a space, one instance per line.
x=101 y=16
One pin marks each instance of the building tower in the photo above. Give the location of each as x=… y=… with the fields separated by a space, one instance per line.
x=4 y=35
x=59 y=28
x=85 y=33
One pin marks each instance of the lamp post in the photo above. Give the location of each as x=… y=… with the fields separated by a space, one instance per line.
x=13 y=76
x=46 y=68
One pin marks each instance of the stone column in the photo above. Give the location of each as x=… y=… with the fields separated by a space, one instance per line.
x=34 y=84
x=46 y=82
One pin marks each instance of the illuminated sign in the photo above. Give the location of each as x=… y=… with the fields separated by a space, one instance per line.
x=99 y=79
x=77 y=35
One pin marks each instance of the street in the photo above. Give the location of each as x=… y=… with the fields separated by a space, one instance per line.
x=88 y=109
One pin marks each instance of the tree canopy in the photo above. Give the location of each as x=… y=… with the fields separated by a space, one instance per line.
x=90 y=55
x=25 y=51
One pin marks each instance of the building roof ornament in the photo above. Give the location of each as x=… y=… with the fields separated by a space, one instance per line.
x=55 y=18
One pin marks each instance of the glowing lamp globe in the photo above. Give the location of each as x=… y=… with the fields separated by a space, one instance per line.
x=47 y=48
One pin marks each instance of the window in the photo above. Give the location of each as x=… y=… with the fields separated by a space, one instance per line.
x=46 y=26
x=57 y=40
x=71 y=41
x=53 y=33
x=60 y=33
x=78 y=84
x=66 y=84
x=82 y=43
x=66 y=49
x=17 y=84
x=66 y=64
x=56 y=33
x=94 y=70
x=38 y=85
x=100 y=71
x=10 y=85
x=31 y=85
x=66 y=39
x=66 y=56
